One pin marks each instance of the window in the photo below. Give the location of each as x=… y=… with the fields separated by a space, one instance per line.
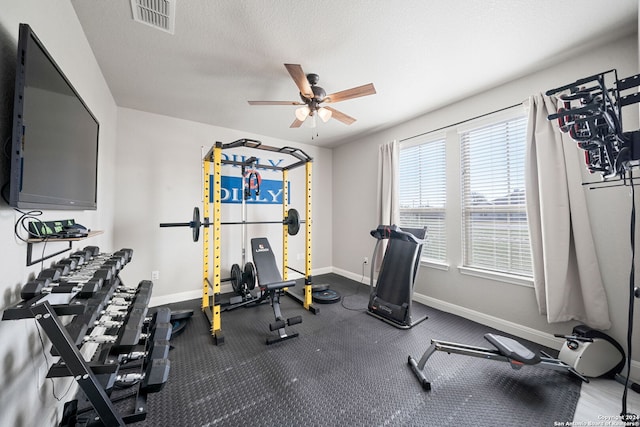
x=422 y=194
x=494 y=218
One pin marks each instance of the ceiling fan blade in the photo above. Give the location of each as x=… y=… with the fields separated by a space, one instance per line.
x=340 y=116
x=300 y=78
x=354 y=92
x=275 y=103
x=296 y=123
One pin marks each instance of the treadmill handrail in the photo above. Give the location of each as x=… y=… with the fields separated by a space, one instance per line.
x=394 y=232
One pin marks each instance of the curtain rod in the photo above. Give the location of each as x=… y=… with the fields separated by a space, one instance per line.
x=461 y=122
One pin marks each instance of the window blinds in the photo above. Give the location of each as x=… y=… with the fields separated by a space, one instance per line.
x=422 y=194
x=494 y=219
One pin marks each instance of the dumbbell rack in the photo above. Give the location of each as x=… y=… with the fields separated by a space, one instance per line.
x=109 y=340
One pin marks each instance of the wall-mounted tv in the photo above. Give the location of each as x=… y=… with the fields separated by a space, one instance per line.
x=54 y=157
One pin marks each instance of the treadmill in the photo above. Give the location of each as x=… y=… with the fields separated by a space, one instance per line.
x=390 y=297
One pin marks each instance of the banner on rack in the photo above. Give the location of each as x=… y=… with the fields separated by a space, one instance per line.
x=232 y=191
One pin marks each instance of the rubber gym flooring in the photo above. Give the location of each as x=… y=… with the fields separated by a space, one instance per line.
x=348 y=369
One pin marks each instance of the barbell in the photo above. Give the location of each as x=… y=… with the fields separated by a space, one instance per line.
x=292 y=221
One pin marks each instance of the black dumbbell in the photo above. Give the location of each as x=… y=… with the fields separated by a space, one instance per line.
x=43 y=286
x=71 y=263
x=128 y=253
x=153 y=379
x=93 y=250
x=87 y=255
x=128 y=333
x=156 y=350
x=82 y=276
x=52 y=274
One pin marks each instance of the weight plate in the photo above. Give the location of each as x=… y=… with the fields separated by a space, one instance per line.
x=250 y=275
x=293 y=222
x=319 y=288
x=195 y=224
x=177 y=327
x=181 y=314
x=236 y=279
x=326 y=297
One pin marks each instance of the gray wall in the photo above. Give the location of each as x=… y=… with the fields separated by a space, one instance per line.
x=507 y=306
x=26 y=397
x=159 y=179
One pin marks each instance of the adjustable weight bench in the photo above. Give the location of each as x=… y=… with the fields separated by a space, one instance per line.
x=506 y=350
x=271 y=284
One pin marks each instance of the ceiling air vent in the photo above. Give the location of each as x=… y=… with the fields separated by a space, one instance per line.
x=159 y=14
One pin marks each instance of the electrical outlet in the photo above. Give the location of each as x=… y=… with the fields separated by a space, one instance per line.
x=155 y=275
x=365 y=260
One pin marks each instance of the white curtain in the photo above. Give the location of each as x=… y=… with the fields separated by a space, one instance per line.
x=567 y=279
x=388 y=209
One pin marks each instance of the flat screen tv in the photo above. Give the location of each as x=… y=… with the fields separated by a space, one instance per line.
x=54 y=157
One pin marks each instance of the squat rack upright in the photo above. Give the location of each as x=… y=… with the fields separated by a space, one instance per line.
x=212 y=202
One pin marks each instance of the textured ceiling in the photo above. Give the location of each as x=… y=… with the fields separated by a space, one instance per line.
x=420 y=55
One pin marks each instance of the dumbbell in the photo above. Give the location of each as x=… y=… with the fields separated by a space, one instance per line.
x=139 y=298
x=126 y=252
x=86 y=254
x=83 y=276
x=157 y=350
x=38 y=287
x=130 y=328
x=117 y=318
x=153 y=379
x=79 y=257
x=128 y=335
x=53 y=274
x=119 y=313
x=93 y=250
x=158 y=347
x=67 y=265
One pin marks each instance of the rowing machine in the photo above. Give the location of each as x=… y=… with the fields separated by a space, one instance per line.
x=587 y=353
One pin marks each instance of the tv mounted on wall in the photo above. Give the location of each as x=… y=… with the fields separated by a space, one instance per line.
x=54 y=156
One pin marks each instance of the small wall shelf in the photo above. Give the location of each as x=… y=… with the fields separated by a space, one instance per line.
x=31 y=242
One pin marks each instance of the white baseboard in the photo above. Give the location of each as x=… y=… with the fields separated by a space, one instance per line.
x=525 y=332
x=349 y=275
x=179 y=297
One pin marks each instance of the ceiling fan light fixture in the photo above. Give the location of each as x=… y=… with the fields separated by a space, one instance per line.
x=312 y=121
x=302 y=113
x=325 y=114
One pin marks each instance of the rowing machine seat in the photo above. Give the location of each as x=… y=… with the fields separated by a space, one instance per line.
x=513 y=349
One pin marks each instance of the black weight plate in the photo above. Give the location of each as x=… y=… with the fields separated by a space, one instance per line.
x=236 y=279
x=319 y=288
x=177 y=327
x=195 y=224
x=325 y=297
x=181 y=314
x=293 y=222
x=250 y=275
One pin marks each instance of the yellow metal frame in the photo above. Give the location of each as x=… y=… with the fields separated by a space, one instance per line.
x=217 y=202
x=285 y=228
x=307 y=226
x=211 y=205
x=206 y=171
x=212 y=211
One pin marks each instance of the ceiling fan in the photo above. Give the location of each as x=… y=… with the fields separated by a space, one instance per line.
x=313 y=96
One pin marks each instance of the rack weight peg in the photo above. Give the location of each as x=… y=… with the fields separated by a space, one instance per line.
x=292 y=221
